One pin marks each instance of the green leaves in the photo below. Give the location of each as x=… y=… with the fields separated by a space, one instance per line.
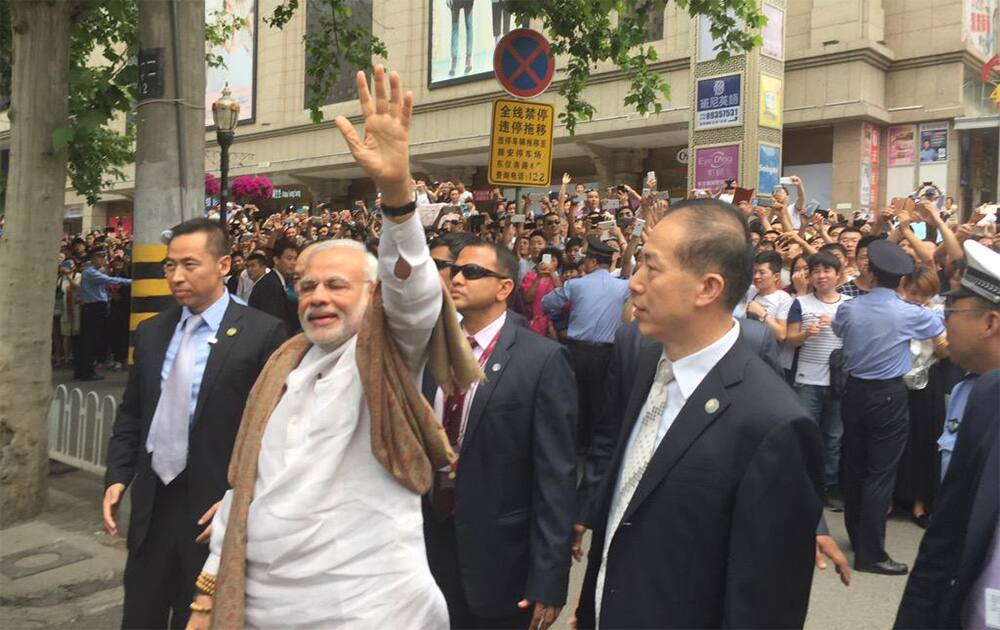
x=62 y=136
x=97 y=151
x=218 y=31
x=338 y=40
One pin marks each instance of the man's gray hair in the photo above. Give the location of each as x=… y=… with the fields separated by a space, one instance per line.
x=371 y=268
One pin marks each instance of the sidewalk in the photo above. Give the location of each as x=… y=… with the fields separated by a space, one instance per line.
x=61 y=569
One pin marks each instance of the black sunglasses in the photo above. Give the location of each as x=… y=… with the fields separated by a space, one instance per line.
x=441 y=264
x=475 y=272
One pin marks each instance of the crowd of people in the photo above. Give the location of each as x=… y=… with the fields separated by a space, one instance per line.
x=413 y=454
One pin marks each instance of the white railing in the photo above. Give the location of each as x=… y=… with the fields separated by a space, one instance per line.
x=79 y=427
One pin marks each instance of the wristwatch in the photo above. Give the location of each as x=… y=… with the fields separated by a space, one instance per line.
x=400 y=211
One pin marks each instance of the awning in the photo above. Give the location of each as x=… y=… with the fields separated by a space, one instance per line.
x=977 y=122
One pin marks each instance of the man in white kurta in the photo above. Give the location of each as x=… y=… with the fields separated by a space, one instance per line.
x=332 y=538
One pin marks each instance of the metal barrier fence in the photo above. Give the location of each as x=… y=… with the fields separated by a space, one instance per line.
x=79 y=427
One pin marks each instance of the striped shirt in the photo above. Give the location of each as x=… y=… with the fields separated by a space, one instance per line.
x=814 y=354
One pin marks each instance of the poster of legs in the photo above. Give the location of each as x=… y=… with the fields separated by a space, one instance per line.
x=238 y=53
x=463 y=36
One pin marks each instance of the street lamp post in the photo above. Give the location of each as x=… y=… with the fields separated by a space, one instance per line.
x=226 y=113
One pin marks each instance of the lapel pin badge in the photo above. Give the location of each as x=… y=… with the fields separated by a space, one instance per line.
x=712 y=405
x=231 y=332
x=212 y=340
x=496 y=367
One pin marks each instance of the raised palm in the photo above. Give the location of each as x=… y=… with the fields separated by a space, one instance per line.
x=383 y=153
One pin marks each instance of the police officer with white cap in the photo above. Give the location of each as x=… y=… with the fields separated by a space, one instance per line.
x=877 y=329
x=956 y=578
x=972 y=338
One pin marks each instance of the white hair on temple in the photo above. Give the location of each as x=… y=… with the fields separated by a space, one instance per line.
x=371 y=271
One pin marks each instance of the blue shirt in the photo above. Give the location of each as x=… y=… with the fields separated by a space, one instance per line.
x=203 y=338
x=877 y=329
x=94 y=284
x=596 y=302
x=953 y=418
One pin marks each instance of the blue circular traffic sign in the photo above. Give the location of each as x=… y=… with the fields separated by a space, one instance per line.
x=523 y=63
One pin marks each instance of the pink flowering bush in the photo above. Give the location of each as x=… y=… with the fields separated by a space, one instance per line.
x=251 y=189
x=211 y=185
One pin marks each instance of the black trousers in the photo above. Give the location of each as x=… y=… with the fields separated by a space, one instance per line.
x=160 y=575
x=876 y=425
x=442 y=557
x=92 y=333
x=590 y=365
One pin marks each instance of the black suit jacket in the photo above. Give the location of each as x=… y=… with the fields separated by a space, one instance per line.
x=233 y=365
x=233 y=282
x=515 y=490
x=268 y=295
x=721 y=529
x=629 y=343
x=964 y=520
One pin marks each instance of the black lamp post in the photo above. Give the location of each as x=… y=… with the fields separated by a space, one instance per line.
x=226 y=113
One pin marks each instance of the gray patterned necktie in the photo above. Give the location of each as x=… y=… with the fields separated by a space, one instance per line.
x=636 y=460
x=168 y=433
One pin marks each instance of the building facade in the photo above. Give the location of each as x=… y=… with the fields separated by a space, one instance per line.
x=863 y=99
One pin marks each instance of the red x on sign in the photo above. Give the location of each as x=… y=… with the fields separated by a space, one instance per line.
x=523 y=63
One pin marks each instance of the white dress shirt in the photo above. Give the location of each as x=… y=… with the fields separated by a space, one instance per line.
x=333 y=540
x=483 y=339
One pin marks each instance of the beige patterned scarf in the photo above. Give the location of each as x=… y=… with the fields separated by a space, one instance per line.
x=406 y=437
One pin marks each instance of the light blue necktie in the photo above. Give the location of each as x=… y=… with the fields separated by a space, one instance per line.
x=168 y=433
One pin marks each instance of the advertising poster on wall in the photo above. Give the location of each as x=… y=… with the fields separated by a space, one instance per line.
x=870 y=143
x=464 y=34
x=902 y=149
x=773 y=32
x=770 y=101
x=714 y=165
x=718 y=102
x=769 y=166
x=934 y=142
x=239 y=54
x=979 y=26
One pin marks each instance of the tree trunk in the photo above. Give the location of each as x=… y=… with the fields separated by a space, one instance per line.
x=35 y=198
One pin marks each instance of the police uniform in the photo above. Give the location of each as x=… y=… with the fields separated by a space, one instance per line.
x=877 y=329
x=981 y=279
x=956 y=577
x=596 y=302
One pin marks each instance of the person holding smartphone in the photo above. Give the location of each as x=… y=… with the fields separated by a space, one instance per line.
x=538 y=283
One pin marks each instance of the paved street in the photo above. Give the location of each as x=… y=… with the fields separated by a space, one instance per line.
x=113 y=383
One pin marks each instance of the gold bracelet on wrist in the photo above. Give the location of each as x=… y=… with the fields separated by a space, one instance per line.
x=205 y=583
x=198 y=608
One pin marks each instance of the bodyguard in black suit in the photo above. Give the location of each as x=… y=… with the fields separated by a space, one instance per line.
x=173 y=498
x=707 y=514
x=498 y=527
x=629 y=345
x=271 y=293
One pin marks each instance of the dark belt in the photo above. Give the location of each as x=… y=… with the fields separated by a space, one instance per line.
x=876 y=381
x=590 y=344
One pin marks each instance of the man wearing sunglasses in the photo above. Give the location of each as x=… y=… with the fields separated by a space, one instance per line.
x=498 y=525
x=955 y=577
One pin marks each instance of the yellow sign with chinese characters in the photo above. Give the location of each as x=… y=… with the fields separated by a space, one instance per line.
x=521 y=144
x=996 y=95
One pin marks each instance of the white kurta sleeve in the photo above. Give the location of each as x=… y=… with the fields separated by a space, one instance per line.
x=412 y=305
x=218 y=535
